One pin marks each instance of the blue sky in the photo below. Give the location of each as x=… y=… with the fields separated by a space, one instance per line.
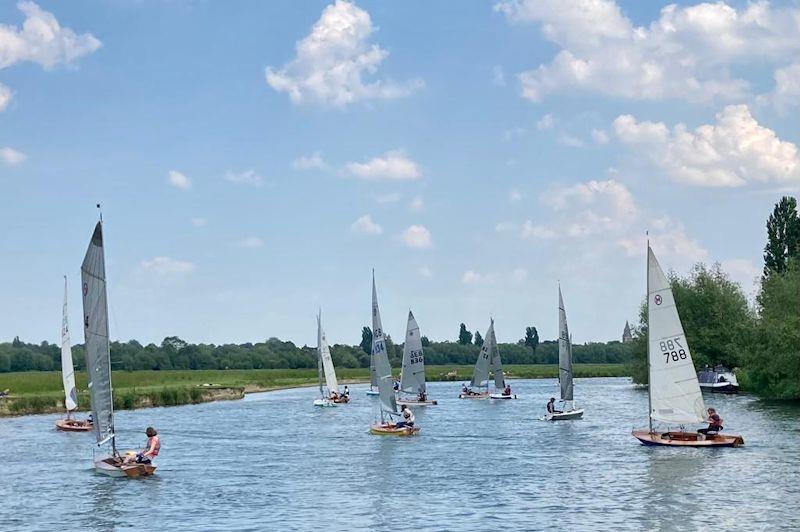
x=256 y=159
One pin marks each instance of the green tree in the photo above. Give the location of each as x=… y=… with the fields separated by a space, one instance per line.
x=478 y=339
x=425 y=341
x=532 y=338
x=783 y=236
x=715 y=315
x=464 y=336
x=773 y=363
x=366 y=340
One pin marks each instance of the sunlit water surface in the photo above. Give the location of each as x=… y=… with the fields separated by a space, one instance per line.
x=273 y=461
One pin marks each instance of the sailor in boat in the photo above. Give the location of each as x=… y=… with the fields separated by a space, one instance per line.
x=507 y=390
x=465 y=390
x=551 y=407
x=422 y=397
x=346 y=392
x=714 y=423
x=150 y=451
x=408 y=418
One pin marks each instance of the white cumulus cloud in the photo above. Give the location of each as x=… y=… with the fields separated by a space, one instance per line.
x=12 y=157
x=309 y=162
x=167 y=266
x=336 y=63
x=393 y=165
x=42 y=40
x=545 y=122
x=417 y=236
x=688 y=52
x=5 y=97
x=734 y=151
x=248 y=177
x=178 y=180
x=366 y=226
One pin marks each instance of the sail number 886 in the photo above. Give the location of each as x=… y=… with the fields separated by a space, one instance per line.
x=672 y=349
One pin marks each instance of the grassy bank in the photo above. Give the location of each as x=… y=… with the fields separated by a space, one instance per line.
x=37 y=392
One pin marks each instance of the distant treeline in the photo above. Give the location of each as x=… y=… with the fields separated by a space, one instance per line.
x=174 y=353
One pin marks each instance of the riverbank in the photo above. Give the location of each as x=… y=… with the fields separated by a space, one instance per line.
x=39 y=392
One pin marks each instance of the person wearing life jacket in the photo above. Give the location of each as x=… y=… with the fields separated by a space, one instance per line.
x=408 y=418
x=149 y=453
x=551 y=406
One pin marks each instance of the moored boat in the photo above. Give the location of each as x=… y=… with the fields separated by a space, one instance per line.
x=719 y=380
x=673 y=392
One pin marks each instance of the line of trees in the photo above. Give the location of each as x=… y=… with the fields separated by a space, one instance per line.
x=174 y=353
x=762 y=340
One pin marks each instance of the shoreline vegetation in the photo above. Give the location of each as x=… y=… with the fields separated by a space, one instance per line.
x=40 y=392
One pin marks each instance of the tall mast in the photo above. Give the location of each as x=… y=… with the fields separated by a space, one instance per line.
x=649 y=371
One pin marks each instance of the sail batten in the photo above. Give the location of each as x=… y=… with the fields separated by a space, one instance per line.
x=95 y=328
x=675 y=395
x=67 y=367
x=412 y=379
x=564 y=352
x=383 y=370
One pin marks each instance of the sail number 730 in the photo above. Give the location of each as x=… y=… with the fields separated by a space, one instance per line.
x=672 y=349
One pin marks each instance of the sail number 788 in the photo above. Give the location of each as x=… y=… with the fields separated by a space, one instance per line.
x=672 y=349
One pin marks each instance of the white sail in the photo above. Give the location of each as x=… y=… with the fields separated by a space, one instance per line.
x=480 y=375
x=674 y=391
x=564 y=352
x=383 y=369
x=412 y=379
x=497 y=366
x=67 y=369
x=327 y=362
x=95 y=330
x=319 y=357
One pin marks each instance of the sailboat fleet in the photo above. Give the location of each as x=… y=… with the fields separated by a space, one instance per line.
x=674 y=395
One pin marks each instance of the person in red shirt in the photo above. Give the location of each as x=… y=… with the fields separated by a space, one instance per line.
x=714 y=423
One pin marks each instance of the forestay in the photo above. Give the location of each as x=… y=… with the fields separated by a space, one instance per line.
x=380 y=357
x=412 y=378
x=327 y=362
x=674 y=391
x=480 y=376
x=67 y=369
x=95 y=329
x=564 y=352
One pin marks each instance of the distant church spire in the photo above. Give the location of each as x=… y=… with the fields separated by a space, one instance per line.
x=626 y=334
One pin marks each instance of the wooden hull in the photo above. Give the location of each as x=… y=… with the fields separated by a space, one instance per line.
x=72 y=425
x=482 y=395
x=412 y=402
x=502 y=396
x=341 y=400
x=389 y=429
x=114 y=467
x=563 y=416
x=687 y=439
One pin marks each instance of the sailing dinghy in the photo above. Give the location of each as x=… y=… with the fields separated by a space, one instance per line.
x=488 y=359
x=412 y=377
x=388 y=402
x=325 y=367
x=98 y=360
x=68 y=377
x=673 y=392
x=564 y=368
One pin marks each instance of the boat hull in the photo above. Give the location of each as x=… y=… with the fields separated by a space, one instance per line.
x=385 y=429
x=564 y=416
x=115 y=467
x=71 y=425
x=502 y=396
x=325 y=403
x=720 y=387
x=411 y=402
x=482 y=395
x=687 y=439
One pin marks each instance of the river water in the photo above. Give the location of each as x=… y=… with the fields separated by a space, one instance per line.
x=273 y=461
